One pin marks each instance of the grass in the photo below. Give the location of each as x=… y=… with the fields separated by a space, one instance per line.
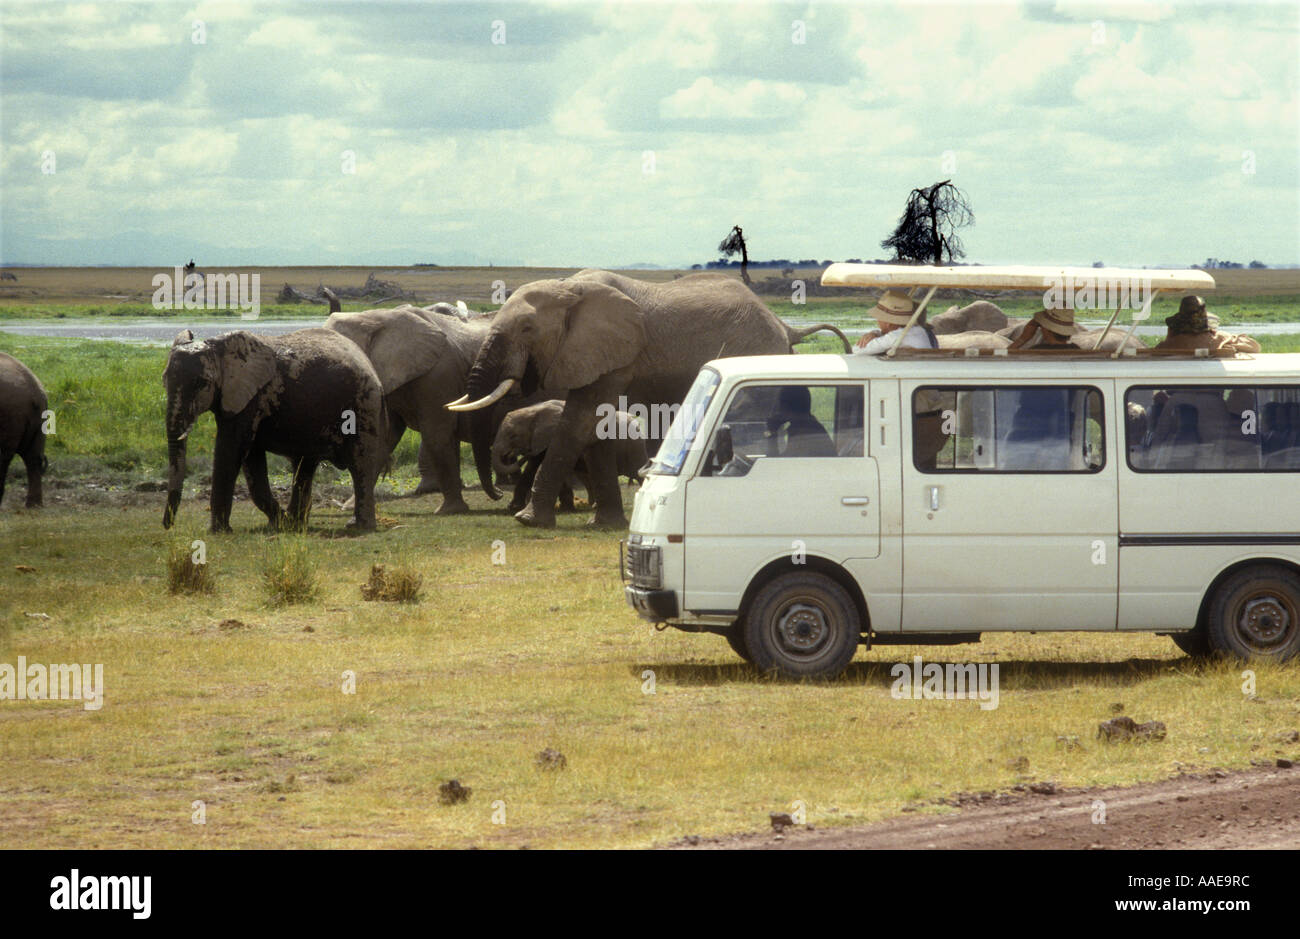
x=187 y=569
x=289 y=574
x=498 y=663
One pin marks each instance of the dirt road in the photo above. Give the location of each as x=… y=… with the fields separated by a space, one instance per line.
x=1255 y=809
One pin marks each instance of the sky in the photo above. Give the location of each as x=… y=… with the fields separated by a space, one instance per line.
x=609 y=134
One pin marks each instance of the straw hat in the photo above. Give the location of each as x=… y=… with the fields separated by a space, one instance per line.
x=895 y=308
x=1060 y=322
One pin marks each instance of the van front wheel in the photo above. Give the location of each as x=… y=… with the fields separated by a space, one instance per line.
x=802 y=625
x=1255 y=614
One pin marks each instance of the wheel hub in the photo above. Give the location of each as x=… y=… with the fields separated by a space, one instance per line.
x=1264 y=620
x=802 y=628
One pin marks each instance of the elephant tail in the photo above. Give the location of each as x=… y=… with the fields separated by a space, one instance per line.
x=799 y=334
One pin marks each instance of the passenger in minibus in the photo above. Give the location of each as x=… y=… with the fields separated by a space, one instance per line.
x=805 y=436
x=1190 y=328
x=1049 y=329
x=893 y=311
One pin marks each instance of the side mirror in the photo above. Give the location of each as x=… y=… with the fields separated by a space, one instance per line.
x=723 y=451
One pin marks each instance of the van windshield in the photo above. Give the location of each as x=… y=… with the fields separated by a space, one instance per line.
x=681 y=435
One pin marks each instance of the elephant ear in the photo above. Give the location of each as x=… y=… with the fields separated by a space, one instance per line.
x=604 y=330
x=182 y=337
x=401 y=344
x=543 y=429
x=247 y=366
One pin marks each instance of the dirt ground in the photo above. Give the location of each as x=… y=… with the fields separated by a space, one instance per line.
x=1255 y=809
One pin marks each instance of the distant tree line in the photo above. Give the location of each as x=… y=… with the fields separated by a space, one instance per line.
x=1212 y=263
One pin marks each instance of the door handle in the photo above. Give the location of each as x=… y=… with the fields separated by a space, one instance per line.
x=855 y=500
x=934 y=498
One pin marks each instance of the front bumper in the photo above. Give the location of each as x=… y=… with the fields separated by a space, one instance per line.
x=656 y=605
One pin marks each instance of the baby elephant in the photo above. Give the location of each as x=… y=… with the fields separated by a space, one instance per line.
x=309 y=395
x=22 y=409
x=526 y=433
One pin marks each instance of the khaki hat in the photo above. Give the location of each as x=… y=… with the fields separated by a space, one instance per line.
x=895 y=308
x=1060 y=322
x=1190 y=319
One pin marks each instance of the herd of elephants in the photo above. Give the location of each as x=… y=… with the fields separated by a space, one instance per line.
x=523 y=386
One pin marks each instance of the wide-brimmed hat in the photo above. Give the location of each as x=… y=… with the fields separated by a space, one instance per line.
x=1060 y=322
x=895 y=308
x=1190 y=318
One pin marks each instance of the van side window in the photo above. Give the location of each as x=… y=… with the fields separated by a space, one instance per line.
x=1011 y=429
x=1213 y=428
x=786 y=421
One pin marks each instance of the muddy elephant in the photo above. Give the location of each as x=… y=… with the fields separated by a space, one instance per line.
x=22 y=425
x=309 y=395
x=526 y=434
x=602 y=338
x=980 y=315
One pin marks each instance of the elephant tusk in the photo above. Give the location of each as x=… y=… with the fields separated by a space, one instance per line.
x=483 y=402
x=461 y=400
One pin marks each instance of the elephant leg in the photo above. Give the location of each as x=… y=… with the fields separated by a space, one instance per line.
x=527 y=473
x=34 y=460
x=259 y=487
x=363 y=496
x=575 y=432
x=607 y=496
x=566 y=498
x=430 y=480
x=444 y=457
x=304 y=473
x=227 y=455
x=5 y=459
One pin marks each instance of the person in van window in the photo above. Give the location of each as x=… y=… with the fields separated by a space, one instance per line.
x=805 y=436
x=1049 y=329
x=1191 y=328
x=893 y=311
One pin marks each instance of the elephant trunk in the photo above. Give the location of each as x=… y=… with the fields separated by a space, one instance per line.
x=502 y=465
x=175 y=478
x=480 y=440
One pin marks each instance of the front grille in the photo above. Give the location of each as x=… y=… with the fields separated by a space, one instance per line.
x=643 y=565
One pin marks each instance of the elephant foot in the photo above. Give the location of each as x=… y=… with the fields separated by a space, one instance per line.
x=534 y=519
x=608 y=520
x=426 y=486
x=452 y=508
x=220 y=528
x=357 y=525
x=515 y=507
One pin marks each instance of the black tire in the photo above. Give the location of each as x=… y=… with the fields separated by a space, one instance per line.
x=802 y=625
x=735 y=636
x=1255 y=614
x=1194 y=643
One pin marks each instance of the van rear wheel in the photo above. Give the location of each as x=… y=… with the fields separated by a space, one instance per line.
x=1194 y=642
x=1255 y=614
x=802 y=625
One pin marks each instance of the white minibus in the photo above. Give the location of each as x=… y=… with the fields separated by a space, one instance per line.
x=931 y=495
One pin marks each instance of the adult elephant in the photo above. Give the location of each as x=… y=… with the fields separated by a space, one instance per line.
x=602 y=338
x=973 y=339
x=526 y=434
x=309 y=395
x=22 y=431
x=980 y=315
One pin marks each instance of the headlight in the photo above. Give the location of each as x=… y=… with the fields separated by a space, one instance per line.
x=644 y=566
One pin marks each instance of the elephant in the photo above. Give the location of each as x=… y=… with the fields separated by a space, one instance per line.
x=1082 y=338
x=422 y=360
x=602 y=338
x=980 y=315
x=22 y=432
x=526 y=433
x=309 y=395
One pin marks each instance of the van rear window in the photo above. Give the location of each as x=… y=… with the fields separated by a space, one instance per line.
x=1008 y=429
x=1213 y=428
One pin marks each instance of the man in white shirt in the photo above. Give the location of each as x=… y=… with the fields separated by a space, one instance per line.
x=893 y=311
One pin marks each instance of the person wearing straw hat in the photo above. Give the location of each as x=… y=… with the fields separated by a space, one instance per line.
x=894 y=311
x=1049 y=329
x=1194 y=328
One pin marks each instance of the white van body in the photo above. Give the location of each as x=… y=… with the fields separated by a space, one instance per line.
x=1121 y=527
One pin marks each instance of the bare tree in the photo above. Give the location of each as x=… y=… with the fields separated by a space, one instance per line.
x=927 y=230
x=734 y=243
